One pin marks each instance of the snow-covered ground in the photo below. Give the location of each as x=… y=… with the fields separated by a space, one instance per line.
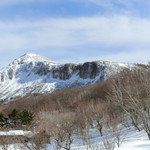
x=15 y=132
x=135 y=141
x=130 y=140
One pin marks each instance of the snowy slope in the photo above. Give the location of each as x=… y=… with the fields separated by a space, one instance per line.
x=130 y=140
x=134 y=140
x=32 y=73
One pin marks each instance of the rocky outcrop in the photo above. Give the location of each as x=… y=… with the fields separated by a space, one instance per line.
x=90 y=70
x=64 y=72
x=87 y=70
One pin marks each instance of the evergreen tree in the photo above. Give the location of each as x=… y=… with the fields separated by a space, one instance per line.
x=2 y=120
x=26 y=117
x=14 y=116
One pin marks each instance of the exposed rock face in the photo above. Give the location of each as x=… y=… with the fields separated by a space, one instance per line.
x=32 y=73
x=90 y=69
x=42 y=69
x=64 y=72
x=87 y=70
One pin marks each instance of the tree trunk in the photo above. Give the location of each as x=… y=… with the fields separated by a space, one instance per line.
x=100 y=126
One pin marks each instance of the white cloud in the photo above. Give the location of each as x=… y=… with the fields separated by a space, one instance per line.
x=119 y=30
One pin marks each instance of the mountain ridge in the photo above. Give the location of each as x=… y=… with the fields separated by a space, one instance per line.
x=32 y=73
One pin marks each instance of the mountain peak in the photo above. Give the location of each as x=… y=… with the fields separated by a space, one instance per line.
x=31 y=57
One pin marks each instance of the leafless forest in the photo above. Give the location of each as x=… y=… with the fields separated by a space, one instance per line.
x=58 y=117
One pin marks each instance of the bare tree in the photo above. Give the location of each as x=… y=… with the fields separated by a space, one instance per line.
x=9 y=142
x=131 y=92
x=37 y=141
x=5 y=142
x=84 y=121
x=108 y=143
x=117 y=130
x=60 y=127
x=99 y=115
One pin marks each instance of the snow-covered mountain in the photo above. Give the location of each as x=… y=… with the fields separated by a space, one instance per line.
x=32 y=73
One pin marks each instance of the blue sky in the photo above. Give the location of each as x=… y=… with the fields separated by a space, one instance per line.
x=75 y=30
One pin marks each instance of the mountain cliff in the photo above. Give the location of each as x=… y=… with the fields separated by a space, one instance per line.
x=32 y=73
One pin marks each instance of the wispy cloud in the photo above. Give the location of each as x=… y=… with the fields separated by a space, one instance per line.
x=5 y=3
x=126 y=7
x=118 y=3
x=119 y=30
x=12 y=2
x=102 y=3
x=73 y=8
